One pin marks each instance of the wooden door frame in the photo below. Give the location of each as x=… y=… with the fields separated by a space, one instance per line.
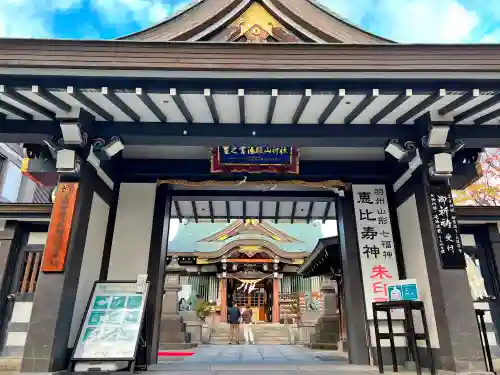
x=489 y=272
x=12 y=281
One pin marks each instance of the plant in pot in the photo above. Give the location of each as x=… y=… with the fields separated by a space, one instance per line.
x=295 y=308
x=203 y=309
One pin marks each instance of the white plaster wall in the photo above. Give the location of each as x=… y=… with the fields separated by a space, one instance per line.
x=415 y=264
x=37 y=238
x=11 y=183
x=26 y=190
x=91 y=262
x=20 y=314
x=16 y=339
x=132 y=234
x=468 y=240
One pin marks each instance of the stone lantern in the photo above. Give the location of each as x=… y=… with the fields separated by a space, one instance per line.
x=173 y=329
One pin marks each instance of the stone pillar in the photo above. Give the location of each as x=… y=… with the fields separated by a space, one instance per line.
x=329 y=291
x=327 y=330
x=276 y=295
x=455 y=320
x=354 y=306
x=223 y=299
x=46 y=348
x=172 y=330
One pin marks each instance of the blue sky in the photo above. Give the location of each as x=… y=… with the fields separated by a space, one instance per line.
x=408 y=21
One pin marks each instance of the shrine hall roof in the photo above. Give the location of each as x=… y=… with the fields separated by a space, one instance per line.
x=202 y=20
x=189 y=234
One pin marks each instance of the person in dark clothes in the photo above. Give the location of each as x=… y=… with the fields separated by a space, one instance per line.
x=234 y=316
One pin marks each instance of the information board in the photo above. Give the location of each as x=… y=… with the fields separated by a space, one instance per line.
x=404 y=290
x=445 y=223
x=288 y=304
x=112 y=323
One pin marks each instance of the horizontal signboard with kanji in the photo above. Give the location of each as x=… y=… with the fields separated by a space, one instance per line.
x=255 y=159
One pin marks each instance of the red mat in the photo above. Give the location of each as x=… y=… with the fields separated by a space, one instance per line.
x=175 y=354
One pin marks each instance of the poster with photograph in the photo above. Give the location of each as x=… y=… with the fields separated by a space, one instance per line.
x=185 y=300
x=112 y=323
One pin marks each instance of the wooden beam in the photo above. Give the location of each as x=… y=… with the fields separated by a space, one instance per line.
x=301 y=106
x=334 y=103
x=113 y=98
x=145 y=98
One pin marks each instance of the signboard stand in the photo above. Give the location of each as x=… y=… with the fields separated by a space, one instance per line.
x=112 y=334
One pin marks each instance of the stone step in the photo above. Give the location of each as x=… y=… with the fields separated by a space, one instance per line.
x=176 y=346
x=263 y=333
x=255 y=334
x=268 y=342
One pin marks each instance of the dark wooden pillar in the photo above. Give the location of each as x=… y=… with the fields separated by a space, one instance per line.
x=276 y=295
x=354 y=305
x=156 y=268
x=457 y=331
x=46 y=348
x=223 y=300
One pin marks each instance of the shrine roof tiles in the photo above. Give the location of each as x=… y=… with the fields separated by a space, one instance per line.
x=189 y=235
x=203 y=18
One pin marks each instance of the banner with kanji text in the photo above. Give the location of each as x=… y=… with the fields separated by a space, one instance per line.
x=379 y=266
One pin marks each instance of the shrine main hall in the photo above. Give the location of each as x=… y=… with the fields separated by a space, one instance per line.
x=271 y=112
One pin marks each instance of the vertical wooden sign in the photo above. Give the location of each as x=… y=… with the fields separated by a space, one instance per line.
x=56 y=248
x=379 y=266
x=445 y=223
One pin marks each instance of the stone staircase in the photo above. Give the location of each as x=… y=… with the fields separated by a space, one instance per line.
x=264 y=333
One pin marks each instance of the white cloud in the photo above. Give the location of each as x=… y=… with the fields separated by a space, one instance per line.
x=157 y=13
x=493 y=37
x=143 y=12
x=31 y=18
x=122 y=11
x=329 y=228
x=174 y=228
x=411 y=21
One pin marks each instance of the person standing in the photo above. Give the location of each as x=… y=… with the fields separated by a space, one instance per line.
x=234 y=316
x=246 y=317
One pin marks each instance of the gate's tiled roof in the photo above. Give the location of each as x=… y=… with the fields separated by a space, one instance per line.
x=187 y=239
x=304 y=17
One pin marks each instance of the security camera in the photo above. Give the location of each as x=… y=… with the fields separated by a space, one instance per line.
x=68 y=162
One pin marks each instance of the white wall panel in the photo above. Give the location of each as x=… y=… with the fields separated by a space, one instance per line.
x=91 y=262
x=132 y=234
x=415 y=264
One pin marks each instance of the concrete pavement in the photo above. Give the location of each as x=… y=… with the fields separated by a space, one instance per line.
x=268 y=359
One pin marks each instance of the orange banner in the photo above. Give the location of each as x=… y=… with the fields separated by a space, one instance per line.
x=56 y=248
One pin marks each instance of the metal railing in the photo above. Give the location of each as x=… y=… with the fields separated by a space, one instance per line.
x=485 y=345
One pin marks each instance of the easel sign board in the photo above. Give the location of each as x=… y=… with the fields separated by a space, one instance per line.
x=111 y=327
